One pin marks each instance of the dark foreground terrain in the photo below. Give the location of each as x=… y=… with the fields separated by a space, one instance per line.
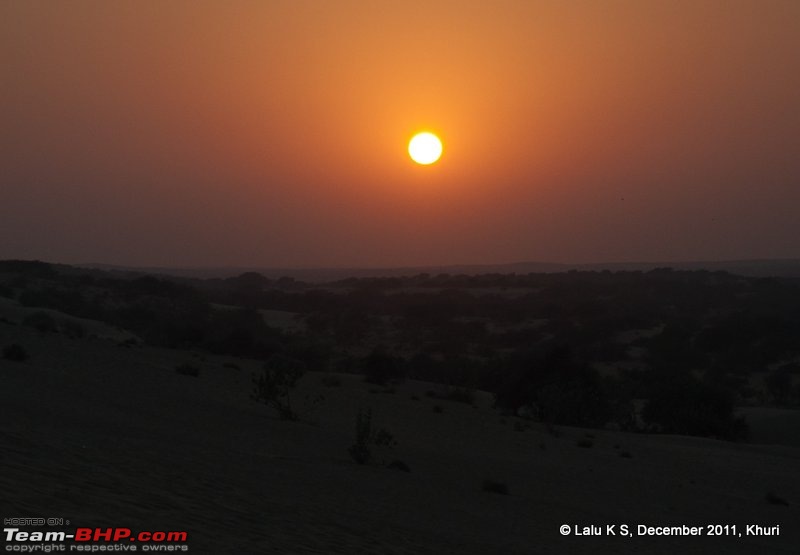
x=131 y=405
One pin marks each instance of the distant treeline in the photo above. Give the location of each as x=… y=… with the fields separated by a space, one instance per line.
x=663 y=350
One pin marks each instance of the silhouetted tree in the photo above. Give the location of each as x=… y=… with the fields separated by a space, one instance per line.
x=682 y=404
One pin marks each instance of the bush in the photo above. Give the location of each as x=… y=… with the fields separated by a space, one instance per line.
x=273 y=388
x=774 y=499
x=380 y=367
x=128 y=343
x=585 y=443
x=682 y=404
x=560 y=388
x=495 y=487
x=360 y=451
x=73 y=329
x=15 y=352
x=41 y=321
x=779 y=385
x=464 y=395
x=399 y=465
x=6 y=291
x=187 y=369
x=366 y=438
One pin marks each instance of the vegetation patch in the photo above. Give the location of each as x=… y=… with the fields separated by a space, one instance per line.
x=381 y=368
x=41 y=321
x=773 y=499
x=187 y=369
x=464 y=395
x=273 y=387
x=15 y=352
x=701 y=342
x=399 y=465
x=368 y=438
x=495 y=487
x=679 y=403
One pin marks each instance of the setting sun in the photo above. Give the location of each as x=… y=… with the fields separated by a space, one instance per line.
x=425 y=148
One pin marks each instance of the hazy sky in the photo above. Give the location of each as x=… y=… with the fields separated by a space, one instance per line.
x=274 y=133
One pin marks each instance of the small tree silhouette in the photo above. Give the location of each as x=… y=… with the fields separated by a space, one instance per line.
x=366 y=437
x=273 y=387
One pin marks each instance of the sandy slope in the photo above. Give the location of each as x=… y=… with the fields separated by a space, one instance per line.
x=111 y=436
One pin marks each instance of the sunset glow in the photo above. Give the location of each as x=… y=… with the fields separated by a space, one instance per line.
x=276 y=132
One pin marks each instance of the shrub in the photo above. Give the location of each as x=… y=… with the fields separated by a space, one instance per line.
x=380 y=367
x=128 y=343
x=779 y=384
x=360 y=451
x=585 y=443
x=399 y=465
x=41 y=321
x=774 y=499
x=552 y=430
x=273 y=387
x=462 y=395
x=6 y=291
x=366 y=438
x=73 y=329
x=438 y=409
x=331 y=380
x=495 y=487
x=682 y=404
x=187 y=369
x=15 y=352
x=564 y=389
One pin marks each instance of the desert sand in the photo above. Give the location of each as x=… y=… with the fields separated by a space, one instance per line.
x=106 y=435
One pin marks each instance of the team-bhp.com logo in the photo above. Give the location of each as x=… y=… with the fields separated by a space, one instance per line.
x=86 y=539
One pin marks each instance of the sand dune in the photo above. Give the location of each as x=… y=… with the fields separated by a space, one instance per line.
x=111 y=436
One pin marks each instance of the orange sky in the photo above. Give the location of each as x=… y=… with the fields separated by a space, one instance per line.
x=259 y=133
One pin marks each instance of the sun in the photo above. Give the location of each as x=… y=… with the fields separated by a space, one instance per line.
x=425 y=148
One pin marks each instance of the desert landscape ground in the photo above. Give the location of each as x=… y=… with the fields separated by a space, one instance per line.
x=104 y=431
